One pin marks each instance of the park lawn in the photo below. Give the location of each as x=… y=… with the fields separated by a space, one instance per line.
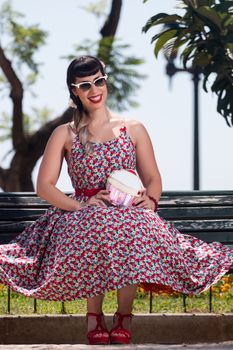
x=222 y=302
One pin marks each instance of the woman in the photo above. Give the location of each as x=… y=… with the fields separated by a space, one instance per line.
x=83 y=246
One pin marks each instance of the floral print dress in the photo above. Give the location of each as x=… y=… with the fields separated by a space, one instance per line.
x=68 y=255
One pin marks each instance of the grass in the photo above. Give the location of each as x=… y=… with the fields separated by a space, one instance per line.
x=222 y=302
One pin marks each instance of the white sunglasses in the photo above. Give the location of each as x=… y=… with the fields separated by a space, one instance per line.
x=86 y=85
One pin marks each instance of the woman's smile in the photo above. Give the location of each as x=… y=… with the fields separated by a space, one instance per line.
x=96 y=98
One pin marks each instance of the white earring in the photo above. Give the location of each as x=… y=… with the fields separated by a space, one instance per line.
x=103 y=64
x=72 y=104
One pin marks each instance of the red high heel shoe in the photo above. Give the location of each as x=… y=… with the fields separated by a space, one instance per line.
x=118 y=334
x=99 y=335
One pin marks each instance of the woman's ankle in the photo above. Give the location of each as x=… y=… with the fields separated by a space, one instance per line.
x=124 y=311
x=126 y=318
x=92 y=321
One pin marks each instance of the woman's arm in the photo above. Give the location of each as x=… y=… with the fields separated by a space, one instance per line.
x=146 y=164
x=50 y=169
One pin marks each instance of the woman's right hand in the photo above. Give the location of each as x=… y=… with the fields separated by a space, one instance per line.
x=101 y=199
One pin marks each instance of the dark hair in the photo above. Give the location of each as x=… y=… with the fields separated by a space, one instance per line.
x=81 y=67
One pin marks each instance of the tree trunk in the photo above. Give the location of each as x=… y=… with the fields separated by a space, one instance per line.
x=18 y=177
x=28 y=150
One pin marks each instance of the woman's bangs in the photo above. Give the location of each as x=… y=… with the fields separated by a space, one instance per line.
x=86 y=68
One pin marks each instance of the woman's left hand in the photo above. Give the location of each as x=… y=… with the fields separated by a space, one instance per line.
x=143 y=201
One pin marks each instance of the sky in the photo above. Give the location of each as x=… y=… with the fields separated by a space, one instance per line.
x=165 y=109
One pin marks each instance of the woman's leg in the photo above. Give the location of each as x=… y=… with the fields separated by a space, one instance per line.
x=121 y=330
x=125 y=298
x=94 y=305
x=97 y=333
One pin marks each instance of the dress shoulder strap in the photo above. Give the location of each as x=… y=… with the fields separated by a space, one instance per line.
x=123 y=127
x=74 y=131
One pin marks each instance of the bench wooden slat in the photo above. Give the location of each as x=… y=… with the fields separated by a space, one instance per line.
x=199 y=197
x=20 y=214
x=214 y=212
x=223 y=237
x=204 y=225
x=24 y=202
x=196 y=198
x=6 y=238
x=13 y=226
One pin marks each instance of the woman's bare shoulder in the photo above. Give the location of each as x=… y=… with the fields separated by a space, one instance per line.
x=61 y=133
x=133 y=122
x=134 y=126
x=127 y=121
x=65 y=129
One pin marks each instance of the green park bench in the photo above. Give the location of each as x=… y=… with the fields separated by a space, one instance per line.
x=207 y=215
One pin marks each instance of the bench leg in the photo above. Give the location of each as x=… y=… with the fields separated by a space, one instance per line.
x=210 y=299
x=8 y=300
x=35 y=306
x=151 y=299
x=184 y=302
x=63 y=309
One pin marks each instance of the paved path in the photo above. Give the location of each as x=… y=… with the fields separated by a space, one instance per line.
x=220 y=346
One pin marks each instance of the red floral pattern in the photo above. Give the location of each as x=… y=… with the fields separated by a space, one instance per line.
x=68 y=255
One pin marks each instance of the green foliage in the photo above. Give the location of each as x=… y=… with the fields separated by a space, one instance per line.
x=98 y=8
x=5 y=126
x=204 y=35
x=26 y=43
x=20 y=44
x=123 y=78
x=32 y=122
x=38 y=117
x=24 y=40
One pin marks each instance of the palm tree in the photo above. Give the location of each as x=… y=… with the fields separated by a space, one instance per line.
x=203 y=39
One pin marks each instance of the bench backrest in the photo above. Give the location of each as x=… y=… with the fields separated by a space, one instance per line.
x=204 y=214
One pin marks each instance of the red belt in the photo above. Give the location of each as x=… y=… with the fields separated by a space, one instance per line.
x=89 y=192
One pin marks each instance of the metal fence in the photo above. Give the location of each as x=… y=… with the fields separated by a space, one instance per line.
x=150 y=306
